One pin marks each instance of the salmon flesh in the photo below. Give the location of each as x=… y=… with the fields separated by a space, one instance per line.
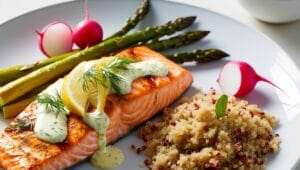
x=149 y=95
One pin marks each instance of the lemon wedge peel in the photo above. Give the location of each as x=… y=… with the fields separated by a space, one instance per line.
x=72 y=95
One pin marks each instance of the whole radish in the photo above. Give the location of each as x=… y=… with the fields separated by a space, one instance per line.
x=87 y=32
x=55 y=38
x=238 y=78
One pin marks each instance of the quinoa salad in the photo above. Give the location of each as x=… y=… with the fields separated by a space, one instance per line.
x=191 y=136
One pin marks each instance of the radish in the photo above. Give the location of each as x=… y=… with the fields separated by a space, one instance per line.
x=55 y=38
x=238 y=78
x=87 y=32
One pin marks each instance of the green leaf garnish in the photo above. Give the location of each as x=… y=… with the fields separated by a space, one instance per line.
x=110 y=78
x=53 y=102
x=221 y=106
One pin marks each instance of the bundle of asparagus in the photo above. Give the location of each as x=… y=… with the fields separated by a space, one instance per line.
x=28 y=80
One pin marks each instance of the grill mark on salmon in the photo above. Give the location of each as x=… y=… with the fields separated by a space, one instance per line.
x=23 y=150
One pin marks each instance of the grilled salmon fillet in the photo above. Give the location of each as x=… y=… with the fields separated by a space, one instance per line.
x=149 y=95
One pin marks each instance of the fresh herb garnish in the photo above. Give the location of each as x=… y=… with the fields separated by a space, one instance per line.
x=90 y=77
x=221 y=106
x=107 y=75
x=21 y=124
x=53 y=102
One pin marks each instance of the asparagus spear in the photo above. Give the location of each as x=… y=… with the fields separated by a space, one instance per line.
x=177 y=41
x=13 y=109
x=12 y=73
x=17 y=106
x=25 y=84
x=140 y=13
x=200 y=56
x=207 y=55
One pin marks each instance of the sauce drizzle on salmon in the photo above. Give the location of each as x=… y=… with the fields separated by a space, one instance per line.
x=23 y=150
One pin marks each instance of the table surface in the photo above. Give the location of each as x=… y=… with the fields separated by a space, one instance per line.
x=286 y=35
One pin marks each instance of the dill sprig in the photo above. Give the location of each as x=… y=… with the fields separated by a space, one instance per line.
x=53 y=102
x=120 y=63
x=90 y=77
x=109 y=72
x=107 y=75
x=21 y=124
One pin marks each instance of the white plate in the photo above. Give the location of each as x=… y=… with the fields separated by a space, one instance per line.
x=18 y=44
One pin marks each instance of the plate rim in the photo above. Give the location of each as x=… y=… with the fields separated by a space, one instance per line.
x=248 y=27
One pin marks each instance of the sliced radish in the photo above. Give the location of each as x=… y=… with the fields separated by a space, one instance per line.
x=238 y=78
x=55 y=38
x=87 y=32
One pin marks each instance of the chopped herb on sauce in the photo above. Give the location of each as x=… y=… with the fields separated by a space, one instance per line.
x=21 y=125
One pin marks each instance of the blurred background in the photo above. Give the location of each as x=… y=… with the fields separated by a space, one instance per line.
x=282 y=13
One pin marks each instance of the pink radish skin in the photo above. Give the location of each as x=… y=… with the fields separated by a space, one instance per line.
x=238 y=78
x=87 y=32
x=55 y=38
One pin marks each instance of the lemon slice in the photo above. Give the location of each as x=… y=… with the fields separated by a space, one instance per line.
x=74 y=96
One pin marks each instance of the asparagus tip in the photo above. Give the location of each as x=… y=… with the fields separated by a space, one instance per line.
x=192 y=17
x=197 y=35
x=221 y=53
x=225 y=54
x=187 y=21
x=205 y=32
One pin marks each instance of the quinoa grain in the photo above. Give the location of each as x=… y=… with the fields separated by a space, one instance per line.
x=192 y=137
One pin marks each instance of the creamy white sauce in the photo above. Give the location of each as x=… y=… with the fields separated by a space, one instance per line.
x=140 y=69
x=98 y=121
x=111 y=157
x=51 y=126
